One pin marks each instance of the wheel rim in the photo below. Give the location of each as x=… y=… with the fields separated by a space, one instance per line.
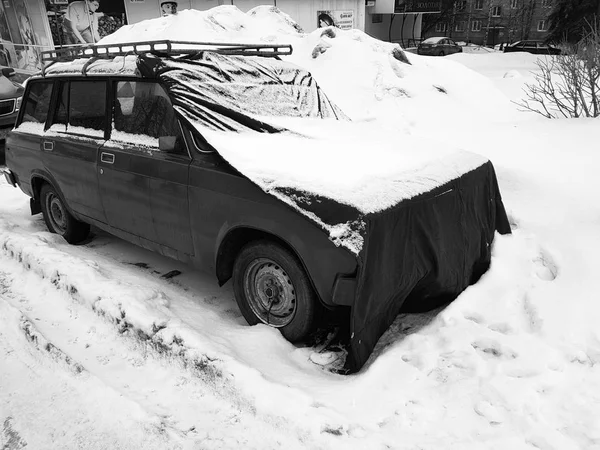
x=270 y=292
x=56 y=213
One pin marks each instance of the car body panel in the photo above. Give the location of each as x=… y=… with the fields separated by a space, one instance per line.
x=535 y=47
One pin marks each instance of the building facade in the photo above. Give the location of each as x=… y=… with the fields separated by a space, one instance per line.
x=492 y=22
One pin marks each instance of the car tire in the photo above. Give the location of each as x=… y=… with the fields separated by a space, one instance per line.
x=440 y=53
x=58 y=218
x=272 y=287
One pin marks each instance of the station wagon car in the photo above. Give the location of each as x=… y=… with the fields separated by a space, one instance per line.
x=115 y=140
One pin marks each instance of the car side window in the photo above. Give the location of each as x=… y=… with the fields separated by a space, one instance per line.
x=143 y=114
x=37 y=103
x=87 y=105
x=81 y=108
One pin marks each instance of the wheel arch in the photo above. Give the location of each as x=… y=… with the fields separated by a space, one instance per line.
x=236 y=238
x=38 y=179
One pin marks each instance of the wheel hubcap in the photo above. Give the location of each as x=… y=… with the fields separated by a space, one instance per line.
x=57 y=213
x=270 y=292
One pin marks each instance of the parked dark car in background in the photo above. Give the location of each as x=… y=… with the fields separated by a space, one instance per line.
x=535 y=47
x=438 y=46
x=11 y=94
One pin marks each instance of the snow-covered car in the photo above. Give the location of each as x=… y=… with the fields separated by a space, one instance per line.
x=11 y=94
x=159 y=148
x=438 y=46
x=535 y=47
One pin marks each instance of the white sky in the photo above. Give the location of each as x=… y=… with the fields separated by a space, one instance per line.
x=512 y=363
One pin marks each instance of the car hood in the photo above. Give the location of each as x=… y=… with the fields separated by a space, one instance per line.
x=9 y=89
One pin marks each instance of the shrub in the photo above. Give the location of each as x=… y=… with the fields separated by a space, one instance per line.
x=568 y=84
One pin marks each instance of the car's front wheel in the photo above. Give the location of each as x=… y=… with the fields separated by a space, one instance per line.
x=58 y=219
x=271 y=287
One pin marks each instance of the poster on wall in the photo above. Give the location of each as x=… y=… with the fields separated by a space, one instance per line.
x=343 y=20
x=76 y=22
x=417 y=6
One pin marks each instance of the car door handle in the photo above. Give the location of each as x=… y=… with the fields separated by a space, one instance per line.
x=107 y=158
x=48 y=146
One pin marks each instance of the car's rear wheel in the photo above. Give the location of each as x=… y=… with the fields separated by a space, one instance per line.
x=271 y=287
x=58 y=219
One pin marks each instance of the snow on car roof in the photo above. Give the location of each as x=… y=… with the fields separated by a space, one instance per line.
x=120 y=65
x=433 y=40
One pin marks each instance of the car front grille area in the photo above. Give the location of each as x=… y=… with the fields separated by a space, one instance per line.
x=7 y=107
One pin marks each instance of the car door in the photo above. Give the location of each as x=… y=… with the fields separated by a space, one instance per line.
x=70 y=145
x=452 y=47
x=144 y=168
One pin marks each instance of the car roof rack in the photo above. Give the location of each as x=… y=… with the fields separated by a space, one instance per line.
x=161 y=48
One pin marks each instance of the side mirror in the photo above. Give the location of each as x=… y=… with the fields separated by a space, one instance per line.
x=8 y=72
x=167 y=144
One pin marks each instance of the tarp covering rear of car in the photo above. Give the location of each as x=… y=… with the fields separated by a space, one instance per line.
x=432 y=246
x=237 y=93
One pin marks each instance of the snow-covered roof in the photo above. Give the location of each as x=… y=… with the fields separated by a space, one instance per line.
x=120 y=65
x=433 y=40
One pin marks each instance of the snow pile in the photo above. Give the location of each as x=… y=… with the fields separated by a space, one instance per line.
x=221 y=24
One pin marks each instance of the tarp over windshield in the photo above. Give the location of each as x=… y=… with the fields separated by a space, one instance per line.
x=239 y=93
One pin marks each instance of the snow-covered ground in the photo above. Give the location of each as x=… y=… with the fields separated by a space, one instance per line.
x=98 y=351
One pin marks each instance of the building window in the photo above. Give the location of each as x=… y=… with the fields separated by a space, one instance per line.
x=542 y=25
x=440 y=27
x=460 y=5
x=496 y=11
x=478 y=4
x=547 y=3
x=476 y=25
x=459 y=26
x=514 y=4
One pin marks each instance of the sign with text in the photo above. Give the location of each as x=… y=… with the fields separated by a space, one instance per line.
x=417 y=6
x=343 y=20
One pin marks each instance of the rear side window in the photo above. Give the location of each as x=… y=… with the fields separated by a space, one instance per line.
x=87 y=105
x=81 y=108
x=144 y=113
x=37 y=102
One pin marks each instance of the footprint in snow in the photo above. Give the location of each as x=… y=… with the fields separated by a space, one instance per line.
x=493 y=349
x=545 y=267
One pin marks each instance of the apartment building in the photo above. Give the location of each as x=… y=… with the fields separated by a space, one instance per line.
x=491 y=22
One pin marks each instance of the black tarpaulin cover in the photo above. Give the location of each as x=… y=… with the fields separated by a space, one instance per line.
x=433 y=245
x=238 y=93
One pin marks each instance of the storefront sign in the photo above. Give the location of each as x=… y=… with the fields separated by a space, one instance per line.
x=343 y=20
x=418 y=6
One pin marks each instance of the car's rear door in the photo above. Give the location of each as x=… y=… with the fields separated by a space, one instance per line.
x=69 y=147
x=145 y=187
